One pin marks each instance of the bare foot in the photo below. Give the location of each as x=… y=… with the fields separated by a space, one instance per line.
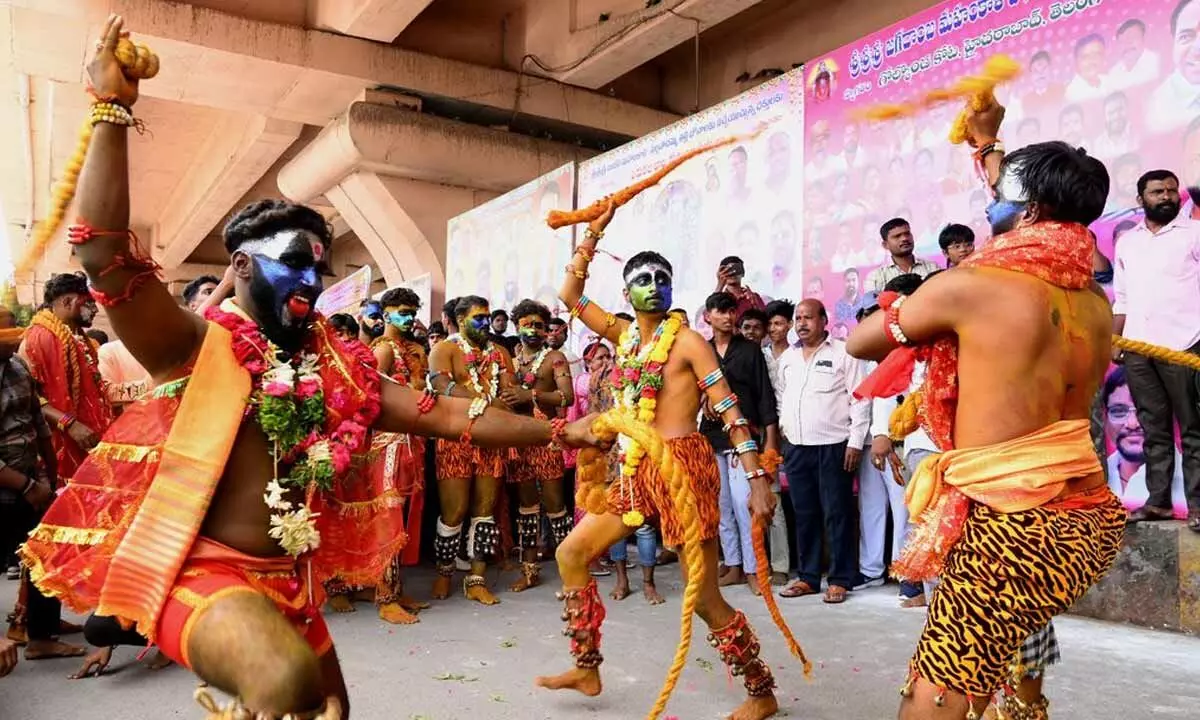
x=667 y=557
x=584 y=680
x=779 y=578
x=756 y=708
x=481 y=595
x=651 y=594
x=17 y=634
x=412 y=604
x=441 y=587
x=47 y=649
x=621 y=590
x=529 y=579
x=159 y=661
x=735 y=576
x=752 y=582
x=93 y=664
x=341 y=603
x=395 y=614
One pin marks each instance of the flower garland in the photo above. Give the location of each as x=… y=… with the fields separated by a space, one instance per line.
x=637 y=379
x=529 y=377
x=474 y=358
x=314 y=406
x=76 y=353
x=403 y=371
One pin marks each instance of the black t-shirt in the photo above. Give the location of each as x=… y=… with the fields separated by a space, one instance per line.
x=745 y=370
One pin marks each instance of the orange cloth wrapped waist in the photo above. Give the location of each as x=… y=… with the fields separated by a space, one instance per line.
x=1022 y=474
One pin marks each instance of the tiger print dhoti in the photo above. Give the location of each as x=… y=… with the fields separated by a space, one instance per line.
x=1007 y=576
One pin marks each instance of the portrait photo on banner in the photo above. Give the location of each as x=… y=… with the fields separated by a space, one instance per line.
x=1119 y=78
x=504 y=251
x=741 y=199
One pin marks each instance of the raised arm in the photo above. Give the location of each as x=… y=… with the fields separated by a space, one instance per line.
x=703 y=361
x=155 y=329
x=598 y=320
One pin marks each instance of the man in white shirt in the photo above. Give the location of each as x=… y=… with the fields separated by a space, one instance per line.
x=1177 y=100
x=1156 y=299
x=825 y=427
x=1089 y=82
x=1137 y=65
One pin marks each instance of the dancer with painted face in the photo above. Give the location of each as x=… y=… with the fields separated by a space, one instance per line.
x=370 y=322
x=206 y=523
x=469 y=365
x=543 y=388
x=661 y=371
x=392 y=472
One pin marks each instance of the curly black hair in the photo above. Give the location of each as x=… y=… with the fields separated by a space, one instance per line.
x=267 y=217
x=64 y=284
x=400 y=296
x=525 y=308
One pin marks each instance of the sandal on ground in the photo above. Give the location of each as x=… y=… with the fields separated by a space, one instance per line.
x=797 y=588
x=1193 y=522
x=835 y=595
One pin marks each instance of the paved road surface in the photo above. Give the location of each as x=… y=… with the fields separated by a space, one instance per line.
x=467 y=662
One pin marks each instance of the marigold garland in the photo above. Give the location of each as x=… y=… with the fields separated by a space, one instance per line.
x=637 y=380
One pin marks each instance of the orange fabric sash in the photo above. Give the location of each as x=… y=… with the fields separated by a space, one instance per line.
x=193 y=459
x=1020 y=474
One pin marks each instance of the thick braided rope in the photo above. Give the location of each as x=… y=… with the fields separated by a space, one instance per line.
x=138 y=63
x=616 y=422
x=768 y=595
x=1157 y=352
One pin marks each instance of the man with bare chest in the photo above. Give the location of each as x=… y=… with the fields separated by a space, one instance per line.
x=201 y=518
x=469 y=366
x=662 y=372
x=1015 y=514
x=543 y=387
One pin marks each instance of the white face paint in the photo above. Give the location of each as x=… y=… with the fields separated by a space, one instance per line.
x=274 y=246
x=650 y=287
x=648 y=270
x=1009 y=185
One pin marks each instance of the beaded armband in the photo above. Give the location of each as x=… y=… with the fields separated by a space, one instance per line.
x=746 y=446
x=579 y=274
x=590 y=234
x=580 y=306
x=557 y=427
x=891 y=322
x=710 y=379
x=737 y=423
x=728 y=402
x=588 y=254
x=66 y=421
x=111 y=113
x=427 y=401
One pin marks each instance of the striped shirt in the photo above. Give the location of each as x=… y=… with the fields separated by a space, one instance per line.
x=884 y=274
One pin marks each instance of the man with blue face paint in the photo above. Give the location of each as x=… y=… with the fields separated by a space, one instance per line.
x=370 y=321
x=543 y=388
x=221 y=509
x=469 y=365
x=1017 y=339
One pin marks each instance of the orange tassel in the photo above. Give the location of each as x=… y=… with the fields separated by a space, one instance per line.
x=768 y=595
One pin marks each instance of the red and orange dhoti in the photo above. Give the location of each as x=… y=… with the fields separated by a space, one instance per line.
x=214 y=571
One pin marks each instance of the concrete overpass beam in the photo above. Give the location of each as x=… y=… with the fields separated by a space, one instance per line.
x=598 y=53
x=379 y=20
x=237 y=153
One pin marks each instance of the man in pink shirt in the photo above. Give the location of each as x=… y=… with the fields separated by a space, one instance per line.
x=1156 y=286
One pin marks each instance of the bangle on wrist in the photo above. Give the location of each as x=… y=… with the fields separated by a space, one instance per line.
x=66 y=421
x=29 y=483
x=757 y=473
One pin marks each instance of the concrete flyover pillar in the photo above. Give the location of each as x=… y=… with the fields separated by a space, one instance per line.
x=397 y=177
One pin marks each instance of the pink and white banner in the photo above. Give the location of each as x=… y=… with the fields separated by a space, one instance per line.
x=1121 y=78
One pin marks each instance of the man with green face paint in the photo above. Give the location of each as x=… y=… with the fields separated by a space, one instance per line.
x=543 y=388
x=469 y=365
